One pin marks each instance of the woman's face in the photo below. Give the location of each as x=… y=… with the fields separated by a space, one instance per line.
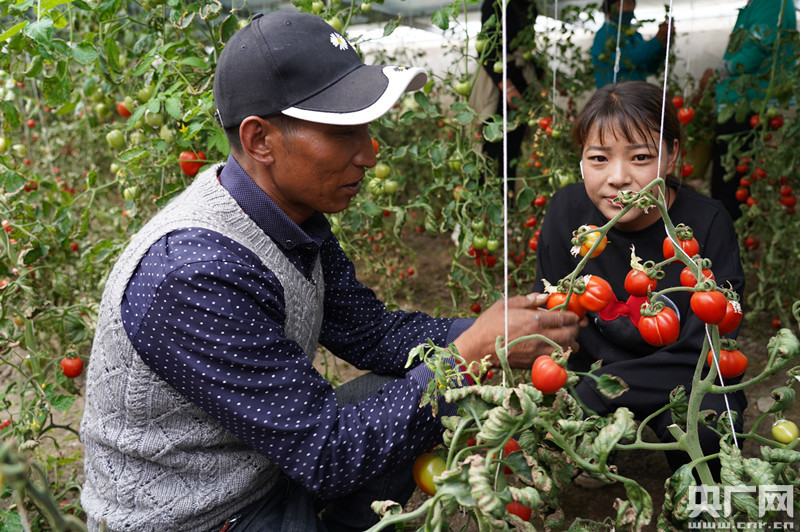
x=615 y=165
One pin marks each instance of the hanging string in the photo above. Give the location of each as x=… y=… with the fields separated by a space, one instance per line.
x=555 y=70
x=617 y=51
x=504 y=165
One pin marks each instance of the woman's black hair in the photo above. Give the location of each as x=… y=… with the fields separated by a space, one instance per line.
x=632 y=107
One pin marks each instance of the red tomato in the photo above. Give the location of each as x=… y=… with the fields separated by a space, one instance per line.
x=557 y=298
x=755 y=120
x=677 y=101
x=597 y=295
x=788 y=201
x=731 y=363
x=476 y=307
x=191 y=162
x=71 y=366
x=742 y=194
x=638 y=283
x=375 y=145
x=546 y=375
x=710 y=306
x=686 y=170
x=685 y=115
x=690 y=247
x=523 y=512
x=776 y=122
x=751 y=243
x=545 y=122
x=123 y=110
x=733 y=317
x=689 y=280
x=511 y=447
x=661 y=329
x=427 y=466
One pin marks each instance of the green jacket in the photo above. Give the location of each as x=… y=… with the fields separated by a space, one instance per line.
x=751 y=48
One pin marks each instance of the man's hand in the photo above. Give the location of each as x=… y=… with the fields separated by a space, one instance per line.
x=664 y=29
x=524 y=318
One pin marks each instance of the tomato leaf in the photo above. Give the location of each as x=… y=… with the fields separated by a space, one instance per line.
x=441 y=19
x=611 y=386
x=62 y=403
x=84 y=53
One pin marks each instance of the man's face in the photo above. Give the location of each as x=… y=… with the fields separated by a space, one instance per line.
x=318 y=167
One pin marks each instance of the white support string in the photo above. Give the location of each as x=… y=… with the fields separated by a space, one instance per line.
x=555 y=69
x=618 y=51
x=505 y=178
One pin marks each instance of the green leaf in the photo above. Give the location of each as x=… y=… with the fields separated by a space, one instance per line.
x=41 y=31
x=441 y=19
x=610 y=386
x=50 y=4
x=84 y=53
x=13 y=30
x=11 y=181
x=195 y=62
x=465 y=117
x=57 y=87
x=390 y=26
x=134 y=154
x=62 y=403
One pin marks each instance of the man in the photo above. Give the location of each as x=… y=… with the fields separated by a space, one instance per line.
x=638 y=59
x=203 y=410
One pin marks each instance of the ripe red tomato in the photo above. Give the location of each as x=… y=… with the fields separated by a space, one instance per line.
x=375 y=145
x=557 y=298
x=788 y=201
x=476 y=307
x=776 y=122
x=685 y=115
x=511 y=446
x=523 y=512
x=597 y=295
x=686 y=170
x=191 y=162
x=31 y=123
x=690 y=247
x=426 y=467
x=638 y=283
x=751 y=243
x=732 y=363
x=742 y=194
x=71 y=366
x=755 y=120
x=546 y=375
x=677 y=101
x=591 y=238
x=709 y=305
x=689 y=280
x=123 y=110
x=545 y=122
x=661 y=329
x=733 y=317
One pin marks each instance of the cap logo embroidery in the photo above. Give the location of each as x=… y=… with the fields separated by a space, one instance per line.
x=339 y=42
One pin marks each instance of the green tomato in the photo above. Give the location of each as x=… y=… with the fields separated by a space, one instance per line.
x=145 y=93
x=336 y=23
x=492 y=244
x=785 y=431
x=153 y=119
x=166 y=133
x=366 y=7
x=479 y=242
x=477 y=224
x=3 y=144
x=527 y=55
x=114 y=168
x=376 y=186
x=390 y=186
x=137 y=137
x=454 y=164
x=115 y=139
x=316 y=7
x=463 y=87
x=102 y=110
x=498 y=67
x=19 y=150
x=382 y=170
x=130 y=193
x=480 y=45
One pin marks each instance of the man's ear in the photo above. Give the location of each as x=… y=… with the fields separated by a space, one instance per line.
x=674 y=153
x=258 y=136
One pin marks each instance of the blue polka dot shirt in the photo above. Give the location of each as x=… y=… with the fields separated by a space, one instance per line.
x=206 y=315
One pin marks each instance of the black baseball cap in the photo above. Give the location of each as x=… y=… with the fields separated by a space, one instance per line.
x=296 y=64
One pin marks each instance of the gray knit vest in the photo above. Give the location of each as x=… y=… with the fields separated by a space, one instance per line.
x=154 y=460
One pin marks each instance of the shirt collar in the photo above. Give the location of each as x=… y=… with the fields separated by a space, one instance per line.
x=259 y=206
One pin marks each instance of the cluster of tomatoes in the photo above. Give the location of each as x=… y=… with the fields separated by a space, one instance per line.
x=685 y=114
x=658 y=325
x=786 y=196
